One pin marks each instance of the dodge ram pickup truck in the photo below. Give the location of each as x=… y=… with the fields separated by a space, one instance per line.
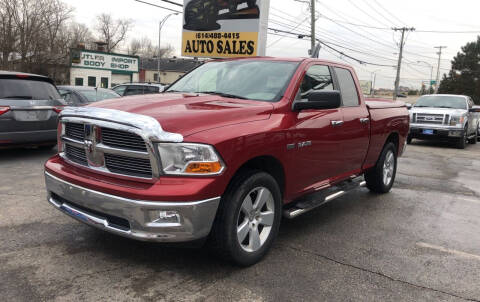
x=444 y=117
x=224 y=153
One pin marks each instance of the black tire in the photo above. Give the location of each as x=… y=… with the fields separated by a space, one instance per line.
x=375 y=176
x=409 y=139
x=462 y=142
x=223 y=238
x=474 y=139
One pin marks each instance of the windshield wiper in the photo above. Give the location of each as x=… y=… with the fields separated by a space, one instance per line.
x=445 y=107
x=23 y=97
x=173 y=91
x=227 y=95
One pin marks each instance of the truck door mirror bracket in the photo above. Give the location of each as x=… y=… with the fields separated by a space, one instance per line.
x=323 y=99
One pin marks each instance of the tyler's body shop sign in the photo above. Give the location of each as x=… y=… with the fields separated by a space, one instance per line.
x=97 y=60
x=225 y=28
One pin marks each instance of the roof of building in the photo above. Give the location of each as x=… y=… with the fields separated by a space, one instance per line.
x=174 y=64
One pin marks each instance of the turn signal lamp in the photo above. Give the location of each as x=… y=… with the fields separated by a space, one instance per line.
x=4 y=110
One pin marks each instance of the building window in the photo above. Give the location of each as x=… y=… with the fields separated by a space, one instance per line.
x=92 y=81
x=104 y=82
x=78 y=81
x=155 y=77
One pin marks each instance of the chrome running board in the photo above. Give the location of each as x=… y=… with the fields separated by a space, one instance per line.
x=316 y=200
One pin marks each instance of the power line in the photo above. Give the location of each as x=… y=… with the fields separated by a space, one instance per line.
x=388 y=12
x=300 y=35
x=155 y=5
x=366 y=13
x=171 y=2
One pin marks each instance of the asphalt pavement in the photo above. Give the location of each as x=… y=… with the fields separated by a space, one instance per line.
x=421 y=242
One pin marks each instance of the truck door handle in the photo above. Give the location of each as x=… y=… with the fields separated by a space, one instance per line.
x=364 y=120
x=336 y=123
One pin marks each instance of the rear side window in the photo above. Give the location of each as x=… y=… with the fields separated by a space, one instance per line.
x=134 y=90
x=152 y=89
x=120 y=89
x=317 y=77
x=347 y=87
x=24 y=89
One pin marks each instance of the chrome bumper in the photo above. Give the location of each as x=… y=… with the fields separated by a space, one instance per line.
x=140 y=220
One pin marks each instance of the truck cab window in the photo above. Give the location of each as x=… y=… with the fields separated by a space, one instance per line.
x=317 y=77
x=348 y=88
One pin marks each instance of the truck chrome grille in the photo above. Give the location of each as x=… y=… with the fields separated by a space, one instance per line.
x=76 y=131
x=107 y=150
x=77 y=155
x=128 y=166
x=436 y=119
x=122 y=139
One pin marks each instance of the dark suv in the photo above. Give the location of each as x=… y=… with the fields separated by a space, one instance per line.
x=29 y=108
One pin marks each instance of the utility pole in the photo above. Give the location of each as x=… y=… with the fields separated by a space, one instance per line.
x=439 y=53
x=311 y=3
x=400 y=57
x=313 y=41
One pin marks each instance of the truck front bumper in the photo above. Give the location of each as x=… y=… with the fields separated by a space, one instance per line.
x=422 y=131
x=140 y=220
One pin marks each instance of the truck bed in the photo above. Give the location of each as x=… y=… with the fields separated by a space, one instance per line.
x=373 y=103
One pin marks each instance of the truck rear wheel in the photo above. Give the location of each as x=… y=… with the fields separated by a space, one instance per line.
x=248 y=219
x=380 y=178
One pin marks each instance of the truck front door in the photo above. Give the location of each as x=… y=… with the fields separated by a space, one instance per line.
x=314 y=142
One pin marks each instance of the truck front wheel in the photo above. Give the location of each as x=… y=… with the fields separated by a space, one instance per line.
x=248 y=218
x=380 y=178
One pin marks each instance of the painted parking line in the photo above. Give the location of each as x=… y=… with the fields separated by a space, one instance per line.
x=447 y=250
x=470 y=199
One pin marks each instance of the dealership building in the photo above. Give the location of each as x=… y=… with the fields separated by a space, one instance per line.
x=101 y=69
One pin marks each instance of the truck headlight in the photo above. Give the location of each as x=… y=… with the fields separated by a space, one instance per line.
x=189 y=159
x=456 y=120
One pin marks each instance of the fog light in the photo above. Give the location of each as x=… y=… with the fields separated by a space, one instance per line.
x=455 y=133
x=164 y=218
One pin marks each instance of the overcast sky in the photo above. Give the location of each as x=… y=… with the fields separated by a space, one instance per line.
x=369 y=45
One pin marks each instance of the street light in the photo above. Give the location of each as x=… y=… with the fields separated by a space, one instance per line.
x=374 y=74
x=431 y=74
x=160 y=39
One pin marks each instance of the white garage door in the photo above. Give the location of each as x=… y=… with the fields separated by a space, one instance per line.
x=120 y=79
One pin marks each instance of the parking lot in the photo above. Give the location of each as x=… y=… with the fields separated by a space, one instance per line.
x=420 y=242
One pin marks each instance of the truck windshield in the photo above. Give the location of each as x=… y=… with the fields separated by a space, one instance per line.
x=442 y=101
x=244 y=79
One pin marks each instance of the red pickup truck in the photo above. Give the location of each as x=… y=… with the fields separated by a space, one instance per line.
x=224 y=153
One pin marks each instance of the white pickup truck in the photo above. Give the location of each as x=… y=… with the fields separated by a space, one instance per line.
x=444 y=117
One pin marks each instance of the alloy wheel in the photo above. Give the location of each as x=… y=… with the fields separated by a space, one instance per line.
x=388 y=168
x=255 y=219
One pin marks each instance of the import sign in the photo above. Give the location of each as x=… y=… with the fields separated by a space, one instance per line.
x=225 y=28
x=105 y=61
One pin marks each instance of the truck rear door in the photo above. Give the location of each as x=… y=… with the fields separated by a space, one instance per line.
x=355 y=130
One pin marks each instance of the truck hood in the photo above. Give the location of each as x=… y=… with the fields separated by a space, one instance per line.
x=439 y=111
x=187 y=114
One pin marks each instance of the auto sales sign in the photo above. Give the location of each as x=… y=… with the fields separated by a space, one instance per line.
x=225 y=28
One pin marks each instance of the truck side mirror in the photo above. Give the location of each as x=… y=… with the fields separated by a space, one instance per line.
x=322 y=99
x=408 y=105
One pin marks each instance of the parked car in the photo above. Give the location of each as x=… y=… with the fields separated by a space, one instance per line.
x=81 y=96
x=444 y=117
x=211 y=158
x=138 y=88
x=29 y=108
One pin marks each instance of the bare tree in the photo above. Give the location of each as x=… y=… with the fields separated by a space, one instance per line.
x=8 y=32
x=111 y=31
x=144 y=47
